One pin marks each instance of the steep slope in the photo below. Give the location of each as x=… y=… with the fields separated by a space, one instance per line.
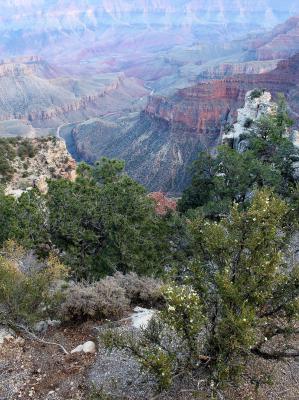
x=281 y=42
x=27 y=163
x=220 y=71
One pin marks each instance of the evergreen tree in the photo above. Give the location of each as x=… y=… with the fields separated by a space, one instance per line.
x=105 y=222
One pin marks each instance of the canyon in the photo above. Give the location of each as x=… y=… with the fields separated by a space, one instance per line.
x=152 y=83
x=160 y=143
x=281 y=42
x=32 y=92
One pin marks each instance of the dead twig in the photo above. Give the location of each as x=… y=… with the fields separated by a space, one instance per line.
x=32 y=336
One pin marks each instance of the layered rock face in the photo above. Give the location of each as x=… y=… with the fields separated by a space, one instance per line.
x=201 y=106
x=49 y=159
x=28 y=65
x=281 y=42
x=229 y=69
x=160 y=144
x=50 y=102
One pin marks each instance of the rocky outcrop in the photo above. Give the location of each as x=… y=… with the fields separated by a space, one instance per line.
x=48 y=158
x=6 y=334
x=202 y=109
x=163 y=204
x=27 y=65
x=257 y=104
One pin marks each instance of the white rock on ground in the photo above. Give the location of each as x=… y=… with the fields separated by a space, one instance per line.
x=78 y=349
x=6 y=334
x=87 y=347
x=141 y=317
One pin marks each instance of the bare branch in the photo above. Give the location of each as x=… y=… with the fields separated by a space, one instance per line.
x=32 y=336
x=274 y=356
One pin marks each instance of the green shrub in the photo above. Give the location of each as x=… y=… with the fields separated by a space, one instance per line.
x=239 y=294
x=141 y=290
x=27 y=287
x=248 y=123
x=7 y=156
x=152 y=349
x=104 y=221
x=26 y=149
x=256 y=93
x=100 y=300
x=230 y=177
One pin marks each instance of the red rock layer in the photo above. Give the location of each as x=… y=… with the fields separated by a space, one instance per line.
x=163 y=204
x=204 y=108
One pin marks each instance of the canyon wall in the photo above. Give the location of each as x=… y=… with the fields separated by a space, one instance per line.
x=171 y=131
x=50 y=102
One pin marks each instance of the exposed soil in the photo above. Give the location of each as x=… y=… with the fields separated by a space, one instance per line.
x=33 y=370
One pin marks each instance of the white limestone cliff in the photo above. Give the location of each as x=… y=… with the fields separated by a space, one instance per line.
x=254 y=108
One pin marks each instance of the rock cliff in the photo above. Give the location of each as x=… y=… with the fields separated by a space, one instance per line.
x=36 y=160
x=221 y=71
x=257 y=104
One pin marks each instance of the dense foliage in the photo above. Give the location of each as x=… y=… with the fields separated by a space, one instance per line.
x=27 y=286
x=238 y=294
x=101 y=223
x=9 y=150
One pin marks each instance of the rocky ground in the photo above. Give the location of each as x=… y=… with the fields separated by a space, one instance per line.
x=31 y=369
x=34 y=370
